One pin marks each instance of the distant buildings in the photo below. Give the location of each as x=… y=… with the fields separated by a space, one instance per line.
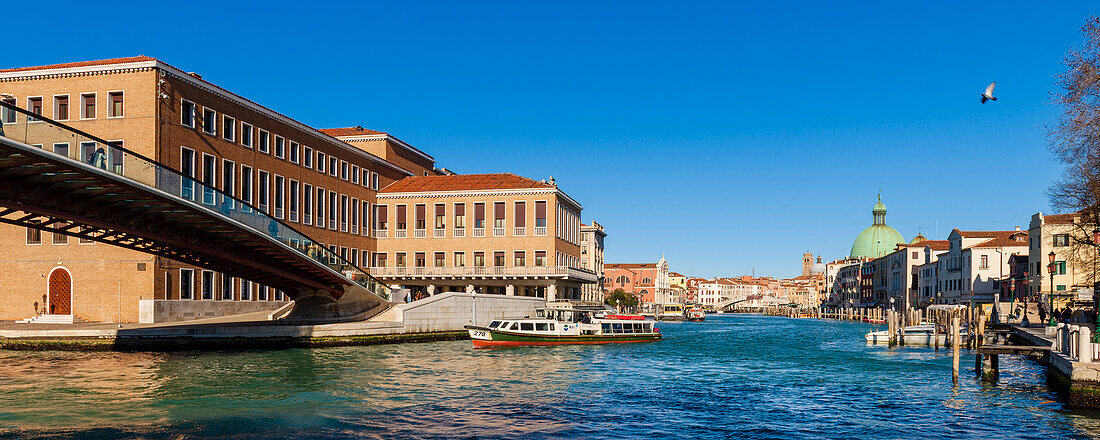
x=592 y=238
x=649 y=282
x=1070 y=238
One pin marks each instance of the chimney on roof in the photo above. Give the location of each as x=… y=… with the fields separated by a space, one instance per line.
x=552 y=182
x=1017 y=228
x=194 y=74
x=358 y=128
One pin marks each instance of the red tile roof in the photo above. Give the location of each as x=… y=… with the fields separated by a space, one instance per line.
x=984 y=234
x=1060 y=219
x=1019 y=238
x=463 y=182
x=350 y=131
x=136 y=59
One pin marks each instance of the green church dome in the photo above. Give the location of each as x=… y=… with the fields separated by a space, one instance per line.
x=878 y=239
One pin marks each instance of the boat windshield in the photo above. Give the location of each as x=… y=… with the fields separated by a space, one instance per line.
x=494 y=324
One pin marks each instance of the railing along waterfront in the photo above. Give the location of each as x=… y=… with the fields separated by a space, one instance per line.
x=70 y=144
x=465 y=271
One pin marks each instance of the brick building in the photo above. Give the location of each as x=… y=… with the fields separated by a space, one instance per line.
x=325 y=183
x=647 y=281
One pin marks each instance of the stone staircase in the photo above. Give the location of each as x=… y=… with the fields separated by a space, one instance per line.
x=51 y=319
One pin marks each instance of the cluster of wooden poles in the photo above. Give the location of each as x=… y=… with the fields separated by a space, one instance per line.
x=947 y=317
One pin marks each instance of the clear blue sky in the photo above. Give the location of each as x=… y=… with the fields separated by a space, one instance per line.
x=726 y=136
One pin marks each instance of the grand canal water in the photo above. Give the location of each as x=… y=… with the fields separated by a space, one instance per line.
x=730 y=377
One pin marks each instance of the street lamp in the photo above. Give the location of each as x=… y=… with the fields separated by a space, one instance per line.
x=1026 y=322
x=1050 y=298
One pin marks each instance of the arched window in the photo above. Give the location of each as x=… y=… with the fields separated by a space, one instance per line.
x=646 y=281
x=622 y=279
x=643 y=292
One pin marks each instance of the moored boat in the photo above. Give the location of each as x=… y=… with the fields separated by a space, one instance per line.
x=696 y=315
x=562 y=325
x=670 y=312
x=923 y=334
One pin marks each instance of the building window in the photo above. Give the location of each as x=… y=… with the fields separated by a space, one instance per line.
x=498 y=258
x=263 y=186
x=246 y=134
x=381 y=216
x=246 y=290
x=379 y=259
x=1061 y=267
x=984 y=263
x=294 y=200
x=440 y=259
x=914 y=252
x=460 y=215
x=498 y=215
x=246 y=185
x=333 y=166
x=460 y=259
x=1061 y=240
x=479 y=215
x=187 y=283
x=61 y=108
x=419 y=259
x=229 y=128
x=227 y=287
x=7 y=115
x=207 y=284
x=440 y=216
x=321 y=159
x=209 y=121
x=87 y=111
x=280 y=192
x=366 y=178
x=187 y=113
x=479 y=259
x=354 y=174
x=401 y=259
x=295 y=151
x=420 y=214
x=540 y=214
x=332 y=208
x=229 y=179
x=187 y=168
x=34 y=236
x=320 y=208
x=307 y=157
x=34 y=105
x=264 y=141
x=540 y=259
x=280 y=147
x=117 y=106
x=521 y=258
x=343 y=213
x=374 y=181
x=401 y=218
x=307 y=203
x=209 y=178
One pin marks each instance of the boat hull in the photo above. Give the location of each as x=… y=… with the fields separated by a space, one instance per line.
x=483 y=337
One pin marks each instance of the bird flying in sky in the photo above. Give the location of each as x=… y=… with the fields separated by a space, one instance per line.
x=988 y=95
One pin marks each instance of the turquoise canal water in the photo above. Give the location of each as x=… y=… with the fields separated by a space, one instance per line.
x=730 y=377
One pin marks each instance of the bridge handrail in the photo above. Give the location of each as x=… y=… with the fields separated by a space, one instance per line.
x=112 y=157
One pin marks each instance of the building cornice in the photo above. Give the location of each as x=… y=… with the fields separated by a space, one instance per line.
x=387 y=137
x=65 y=72
x=481 y=193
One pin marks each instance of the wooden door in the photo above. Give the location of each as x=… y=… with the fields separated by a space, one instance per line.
x=61 y=292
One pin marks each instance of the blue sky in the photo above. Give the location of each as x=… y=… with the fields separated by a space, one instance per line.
x=727 y=136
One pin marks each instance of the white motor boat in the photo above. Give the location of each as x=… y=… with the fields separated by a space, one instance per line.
x=921 y=334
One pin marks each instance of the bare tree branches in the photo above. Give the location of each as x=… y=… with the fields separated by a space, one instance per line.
x=1075 y=137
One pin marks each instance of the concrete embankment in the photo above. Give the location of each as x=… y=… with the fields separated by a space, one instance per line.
x=437 y=318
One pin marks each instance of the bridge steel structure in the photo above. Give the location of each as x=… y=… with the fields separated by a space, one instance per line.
x=99 y=191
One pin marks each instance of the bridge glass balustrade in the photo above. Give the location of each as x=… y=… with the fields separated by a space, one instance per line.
x=57 y=138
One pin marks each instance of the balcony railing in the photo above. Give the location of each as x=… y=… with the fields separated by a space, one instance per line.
x=479 y=232
x=420 y=233
x=519 y=232
x=498 y=232
x=382 y=233
x=540 y=231
x=439 y=233
x=458 y=232
x=401 y=233
x=485 y=271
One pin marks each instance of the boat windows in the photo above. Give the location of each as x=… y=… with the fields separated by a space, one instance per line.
x=527 y=326
x=539 y=313
x=616 y=328
x=494 y=324
x=646 y=328
x=607 y=327
x=551 y=326
x=515 y=326
x=540 y=326
x=638 y=327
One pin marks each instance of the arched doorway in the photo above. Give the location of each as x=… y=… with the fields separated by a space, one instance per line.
x=61 y=292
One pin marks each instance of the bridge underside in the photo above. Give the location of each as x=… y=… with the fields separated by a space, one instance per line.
x=61 y=196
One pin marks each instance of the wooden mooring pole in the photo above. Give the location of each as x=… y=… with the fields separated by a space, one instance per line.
x=955 y=346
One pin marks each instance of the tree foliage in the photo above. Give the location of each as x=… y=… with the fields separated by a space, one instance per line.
x=620 y=297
